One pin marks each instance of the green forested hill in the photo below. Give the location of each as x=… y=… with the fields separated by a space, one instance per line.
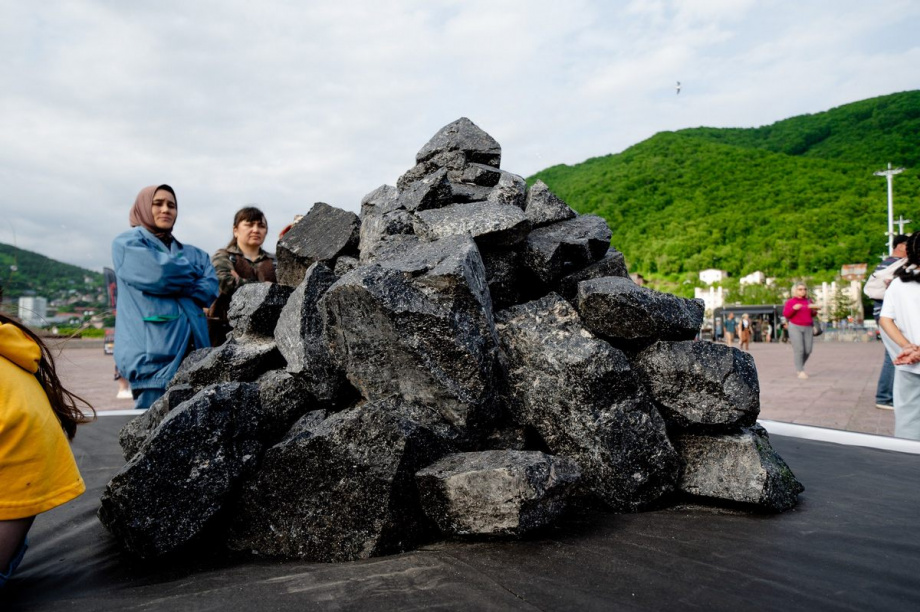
x=793 y=199
x=24 y=272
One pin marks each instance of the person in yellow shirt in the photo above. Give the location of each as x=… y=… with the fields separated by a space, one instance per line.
x=38 y=417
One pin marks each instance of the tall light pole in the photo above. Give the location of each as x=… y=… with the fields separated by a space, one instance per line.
x=889 y=174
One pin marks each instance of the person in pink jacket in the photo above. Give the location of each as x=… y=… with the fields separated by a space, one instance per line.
x=797 y=311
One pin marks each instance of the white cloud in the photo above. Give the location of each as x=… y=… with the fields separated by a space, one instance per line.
x=284 y=104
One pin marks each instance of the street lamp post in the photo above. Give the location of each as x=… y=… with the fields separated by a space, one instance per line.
x=889 y=174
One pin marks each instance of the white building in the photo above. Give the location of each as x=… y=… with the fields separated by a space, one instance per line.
x=713 y=276
x=754 y=278
x=825 y=294
x=712 y=297
x=33 y=311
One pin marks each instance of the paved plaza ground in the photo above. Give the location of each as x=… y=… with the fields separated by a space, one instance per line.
x=840 y=393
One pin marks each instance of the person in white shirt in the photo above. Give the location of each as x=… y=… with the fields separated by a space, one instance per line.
x=900 y=322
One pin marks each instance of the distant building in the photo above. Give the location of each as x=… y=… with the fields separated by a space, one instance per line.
x=827 y=293
x=853 y=272
x=754 y=278
x=712 y=297
x=712 y=276
x=33 y=311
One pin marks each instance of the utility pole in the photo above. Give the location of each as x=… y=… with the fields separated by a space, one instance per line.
x=901 y=223
x=889 y=174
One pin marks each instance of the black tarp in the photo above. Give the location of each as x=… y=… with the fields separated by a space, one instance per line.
x=851 y=544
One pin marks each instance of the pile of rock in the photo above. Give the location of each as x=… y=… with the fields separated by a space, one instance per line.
x=464 y=358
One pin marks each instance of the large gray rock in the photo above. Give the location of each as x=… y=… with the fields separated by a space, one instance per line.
x=701 y=384
x=136 y=431
x=543 y=207
x=490 y=225
x=561 y=248
x=611 y=264
x=496 y=493
x=453 y=161
x=465 y=137
x=511 y=190
x=229 y=362
x=581 y=395
x=299 y=336
x=418 y=327
x=355 y=494
x=477 y=174
x=322 y=235
x=284 y=398
x=382 y=216
x=628 y=315
x=508 y=280
x=740 y=467
x=183 y=475
x=254 y=309
x=432 y=191
x=345 y=264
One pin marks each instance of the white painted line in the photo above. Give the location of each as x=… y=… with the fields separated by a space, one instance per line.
x=850 y=438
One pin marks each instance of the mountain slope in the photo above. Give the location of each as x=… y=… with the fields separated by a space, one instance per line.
x=24 y=272
x=795 y=199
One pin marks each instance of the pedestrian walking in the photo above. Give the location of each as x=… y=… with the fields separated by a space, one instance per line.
x=798 y=310
x=729 y=328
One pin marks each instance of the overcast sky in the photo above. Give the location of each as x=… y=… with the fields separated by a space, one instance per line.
x=284 y=104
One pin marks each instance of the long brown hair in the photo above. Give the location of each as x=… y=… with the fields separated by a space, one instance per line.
x=63 y=402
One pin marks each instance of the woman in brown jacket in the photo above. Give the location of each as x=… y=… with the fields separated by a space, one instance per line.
x=242 y=261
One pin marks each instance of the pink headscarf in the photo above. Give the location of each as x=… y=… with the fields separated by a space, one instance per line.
x=142 y=211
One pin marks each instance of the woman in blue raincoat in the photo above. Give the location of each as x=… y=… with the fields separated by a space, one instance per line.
x=163 y=286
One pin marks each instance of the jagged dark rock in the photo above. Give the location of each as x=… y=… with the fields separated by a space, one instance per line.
x=478 y=174
x=543 y=207
x=496 y=493
x=322 y=235
x=299 y=336
x=185 y=472
x=611 y=264
x=232 y=361
x=355 y=496
x=452 y=161
x=701 y=384
x=418 y=326
x=581 y=395
x=345 y=264
x=740 y=467
x=138 y=429
x=254 y=309
x=490 y=225
x=555 y=250
x=432 y=191
x=465 y=137
x=626 y=314
x=511 y=189
x=506 y=276
x=284 y=398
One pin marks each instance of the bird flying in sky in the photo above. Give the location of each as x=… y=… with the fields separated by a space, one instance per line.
x=678 y=88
